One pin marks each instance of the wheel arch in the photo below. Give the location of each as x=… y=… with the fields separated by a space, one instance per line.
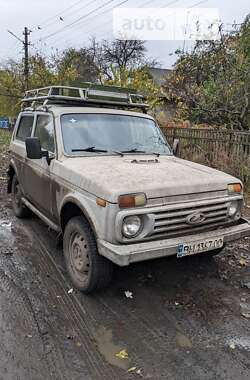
x=71 y=208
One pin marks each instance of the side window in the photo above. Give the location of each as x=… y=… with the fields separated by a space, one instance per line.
x=25 y=127
x=44 y=130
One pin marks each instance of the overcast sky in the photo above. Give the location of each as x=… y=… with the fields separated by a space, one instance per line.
x=15 y=14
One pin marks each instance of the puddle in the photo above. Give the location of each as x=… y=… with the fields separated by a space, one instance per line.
x=183 y=341
x=106 y=346
x=6 y=234
x=5 y=224
x=240 y=342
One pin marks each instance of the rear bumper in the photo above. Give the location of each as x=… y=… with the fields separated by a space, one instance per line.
x=123 y=255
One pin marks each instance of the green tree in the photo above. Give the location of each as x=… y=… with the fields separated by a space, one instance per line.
x=139 y=79
x=212 y=83
x=79 y=61
x=43 y=72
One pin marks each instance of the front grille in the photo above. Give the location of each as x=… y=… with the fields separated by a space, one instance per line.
x=172 y=222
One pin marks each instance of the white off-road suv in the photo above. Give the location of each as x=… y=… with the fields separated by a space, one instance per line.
x=98 y=170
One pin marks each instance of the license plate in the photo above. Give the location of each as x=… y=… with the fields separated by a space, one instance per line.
x=191 y=248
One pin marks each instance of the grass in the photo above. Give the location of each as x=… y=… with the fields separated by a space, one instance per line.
x=5 y=136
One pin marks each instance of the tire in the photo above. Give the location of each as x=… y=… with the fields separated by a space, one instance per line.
x=20 y=210
x=87 y=269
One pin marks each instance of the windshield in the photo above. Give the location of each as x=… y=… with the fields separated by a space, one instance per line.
x=105 y=133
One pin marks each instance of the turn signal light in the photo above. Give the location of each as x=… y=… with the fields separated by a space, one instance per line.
x=234 y=188
x=101 y=202
x=132 y=200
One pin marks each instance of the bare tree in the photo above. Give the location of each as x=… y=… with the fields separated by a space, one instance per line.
x=119 y=54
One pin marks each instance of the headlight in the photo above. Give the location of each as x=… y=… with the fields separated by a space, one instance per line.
x=131 y=226
x=233 y=208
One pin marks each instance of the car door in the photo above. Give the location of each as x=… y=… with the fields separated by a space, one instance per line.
x=23 y=129
x=37 y=173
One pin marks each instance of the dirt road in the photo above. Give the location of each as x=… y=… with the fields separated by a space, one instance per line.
x=188 y=318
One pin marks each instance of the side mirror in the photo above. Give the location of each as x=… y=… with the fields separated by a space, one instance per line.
x=176 y=147
x=34 y=150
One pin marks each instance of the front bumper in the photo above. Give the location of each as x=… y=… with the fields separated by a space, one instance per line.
x=123 y=255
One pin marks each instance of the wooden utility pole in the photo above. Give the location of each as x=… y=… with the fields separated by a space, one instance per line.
x=26 y=44
x=26 y=57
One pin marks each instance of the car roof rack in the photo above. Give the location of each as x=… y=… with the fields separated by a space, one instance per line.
x=87 y=94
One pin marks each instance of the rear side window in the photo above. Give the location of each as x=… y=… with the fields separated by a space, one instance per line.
x=45 y=132
x=25 y=127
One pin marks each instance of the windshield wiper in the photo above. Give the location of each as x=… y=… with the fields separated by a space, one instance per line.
x=90 y=149
x=96 y=150
x=140 y=151
x=133 y=151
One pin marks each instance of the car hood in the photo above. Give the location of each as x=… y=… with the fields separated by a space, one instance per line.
x=110 y=176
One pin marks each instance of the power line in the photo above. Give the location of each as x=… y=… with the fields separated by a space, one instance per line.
x=67 y=15
x=14 y=35
x=97 y=15
x=101 y=13
x=107 y=10
x=192 y=6
x=59 y=14
x=172 y=3
x=199 y=3
x=144 y=4
x=77 y=20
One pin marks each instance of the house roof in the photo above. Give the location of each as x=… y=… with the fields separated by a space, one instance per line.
x=159 y=74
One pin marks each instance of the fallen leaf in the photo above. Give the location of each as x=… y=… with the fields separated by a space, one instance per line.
x=246 y=315
x=6 y=224
x=247 y=285
x=122 y=354
x=232 y=346
x=139 y=372
x=242 y=261
x=128 y=294
x=132 y=369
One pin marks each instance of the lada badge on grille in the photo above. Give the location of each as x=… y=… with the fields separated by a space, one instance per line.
x=196 y=218
x=141 y=161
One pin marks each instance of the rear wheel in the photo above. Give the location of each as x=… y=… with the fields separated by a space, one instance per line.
x=20 y=210
x=87 y=269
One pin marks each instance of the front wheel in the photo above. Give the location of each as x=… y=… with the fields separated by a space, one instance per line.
x=87 y=269
x=20 y=210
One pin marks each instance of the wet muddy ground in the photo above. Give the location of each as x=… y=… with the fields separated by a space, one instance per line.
x=186 y=318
